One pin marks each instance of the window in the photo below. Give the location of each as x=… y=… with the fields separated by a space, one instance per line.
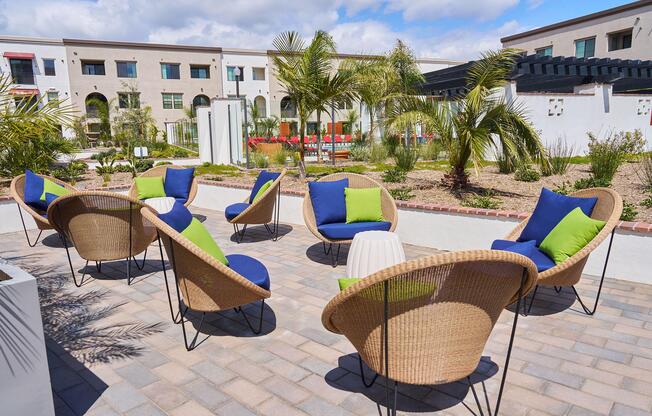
x=126 y=69
x=129 y=100
x=288 y=109
x=48 y=67
x=170 y=71
x=93 y=68
x=22 y=71
x=620 y=40
x=200 y=71
x=547 y=51
x=585 y=48
x=53 y=96
x=26 y=101
x=172 y=101
x=258 y=74
x=230 y=73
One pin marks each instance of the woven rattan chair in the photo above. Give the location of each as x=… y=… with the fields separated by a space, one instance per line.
x=160 y=171
x=17 y=190
x=264 y=211
x=203 y=284
x=390 y=213
x=103 y=226
x=608 y=208
x=427 y=321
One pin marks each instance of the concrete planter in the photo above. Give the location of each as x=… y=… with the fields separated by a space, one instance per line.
x=24 y=377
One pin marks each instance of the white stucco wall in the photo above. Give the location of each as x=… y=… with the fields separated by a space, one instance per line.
x=42 y=49
x=248 y=59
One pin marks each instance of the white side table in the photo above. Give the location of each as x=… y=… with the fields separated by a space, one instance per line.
x=160 y=205
x=372 y=251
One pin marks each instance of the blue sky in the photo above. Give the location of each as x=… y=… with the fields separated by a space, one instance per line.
x=450 y=29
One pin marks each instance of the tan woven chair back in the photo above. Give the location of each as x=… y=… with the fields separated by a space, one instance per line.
x=442 y=310
x=98 y=224
x=160 y=171
x=261 y=211
x=608 y=208
x=17 y=190
x=390 y=212
x=206 y=284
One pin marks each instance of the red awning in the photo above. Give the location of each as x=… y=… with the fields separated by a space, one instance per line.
x=24 y=91
x=18 y=55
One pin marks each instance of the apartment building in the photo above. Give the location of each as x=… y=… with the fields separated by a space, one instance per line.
x=247 y=70
x=37 y=68
x=168 y=78
x=623 y=32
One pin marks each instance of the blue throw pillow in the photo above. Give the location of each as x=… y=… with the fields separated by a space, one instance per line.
x=262 y=179
x=178 y=182
x=552 y=208
x=179 y=217
x=328 y=201
x=525 y=248
x=33 y=190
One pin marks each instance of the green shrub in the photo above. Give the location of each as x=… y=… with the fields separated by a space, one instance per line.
x=377 y=153
x=391 y=143
x=431 y=150
x=72 y=172
x=318 y=171
x=645 y=172
x=104 y=154
x=162 y=162
x=394 y=175
x=401 y=194
x=296 y=158
x=505 y=164
x=260 y=160
x=141 y=165
x=560 y=156
x=105 y=166
x=525 y=173
x=280 y=157
x=606 y=155
x=591 y=182
x=647 y=202
x=223 y=170
x=564 y=189
x=486 y=200
x=405 y=158
x=180 y=152
x=124 y=168
x=629 y=212
x=359 y=152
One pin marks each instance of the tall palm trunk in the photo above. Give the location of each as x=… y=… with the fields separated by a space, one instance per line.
x=371 y=125
x=302 y=149
x=319 y=155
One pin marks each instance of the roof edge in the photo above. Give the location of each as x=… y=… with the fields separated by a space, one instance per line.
x=139 y=45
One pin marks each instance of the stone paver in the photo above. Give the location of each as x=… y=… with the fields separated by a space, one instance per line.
x=113 y=350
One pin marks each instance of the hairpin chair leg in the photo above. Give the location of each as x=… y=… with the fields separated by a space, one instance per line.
x=260 y=318
x=239 y=235
x=72 y=269
x=334 y=256
x=588 y=311
x=29 y=243
x=176 y=318
x=364 y=380
x=140 y=266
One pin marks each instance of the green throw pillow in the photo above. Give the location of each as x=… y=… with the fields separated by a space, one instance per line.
x=571 y=235
x=151 y=187
x=363 y=204
x=198 y=234
x=405 y=291
x=262 y=190
x=347 y=281
x=53 y=188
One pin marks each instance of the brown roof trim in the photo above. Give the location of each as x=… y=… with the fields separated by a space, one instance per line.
x=581 y=19
x=139 y=45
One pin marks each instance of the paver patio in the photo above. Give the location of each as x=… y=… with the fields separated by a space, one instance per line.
x=113 y=349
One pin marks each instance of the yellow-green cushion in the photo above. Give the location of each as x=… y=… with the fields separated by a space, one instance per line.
x=262 y=190
x=347 y=281
x=363 y=204
x=53 y=189
x=198 y=234
x=571 y=235
x=405 y=291
x=150 y=187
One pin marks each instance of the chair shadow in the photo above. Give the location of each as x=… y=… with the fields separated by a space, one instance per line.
x=411 y=398
x=258 y=233
x=54 y=241
x=548 y=301
x=316 y=253
x=232 y=323
x=200 y=217
x=117 y=270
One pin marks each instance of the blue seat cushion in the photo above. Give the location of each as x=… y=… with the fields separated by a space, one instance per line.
x=552 y=208
x=249 y=268
x=328 y=201
x=344 y=231
x=178 y=182
x=528 y=249
x=33 y=190
x=234 y=210
x=263 y=177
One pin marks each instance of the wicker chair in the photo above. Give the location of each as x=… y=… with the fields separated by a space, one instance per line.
x=203 y=284
x=608 y=208
x=427 y=321
x=160 y=171
x=102 y=226
x=390 y=213
x=264 y=211
x=17 y=191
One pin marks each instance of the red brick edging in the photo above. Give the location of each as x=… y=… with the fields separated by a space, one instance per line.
x=639 y=227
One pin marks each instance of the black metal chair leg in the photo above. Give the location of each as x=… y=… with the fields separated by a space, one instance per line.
x=327 y=251
x=142 y=263
x=193 y=343
x=98 y=266
x=588 y=311
x=475 y=396
x=72 y=269
x=364 y=381
x=558 y=289
x=29 y=243
x=260 y=318
x=335 y=257
x=239 y=235
x=534 y=295
x=178 y=315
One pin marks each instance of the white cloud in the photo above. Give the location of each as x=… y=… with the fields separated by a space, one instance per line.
x=533 y=4
x=436 y=9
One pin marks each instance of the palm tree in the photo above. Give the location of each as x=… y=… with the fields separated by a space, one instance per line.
x=269 y=126
x=299 y=69
x=352 y=118
x=476 y=122
x=255 y=117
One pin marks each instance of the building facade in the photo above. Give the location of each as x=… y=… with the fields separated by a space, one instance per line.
x=167 y=78
x=37 y=68
x=623 y=32
x=253 y=78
